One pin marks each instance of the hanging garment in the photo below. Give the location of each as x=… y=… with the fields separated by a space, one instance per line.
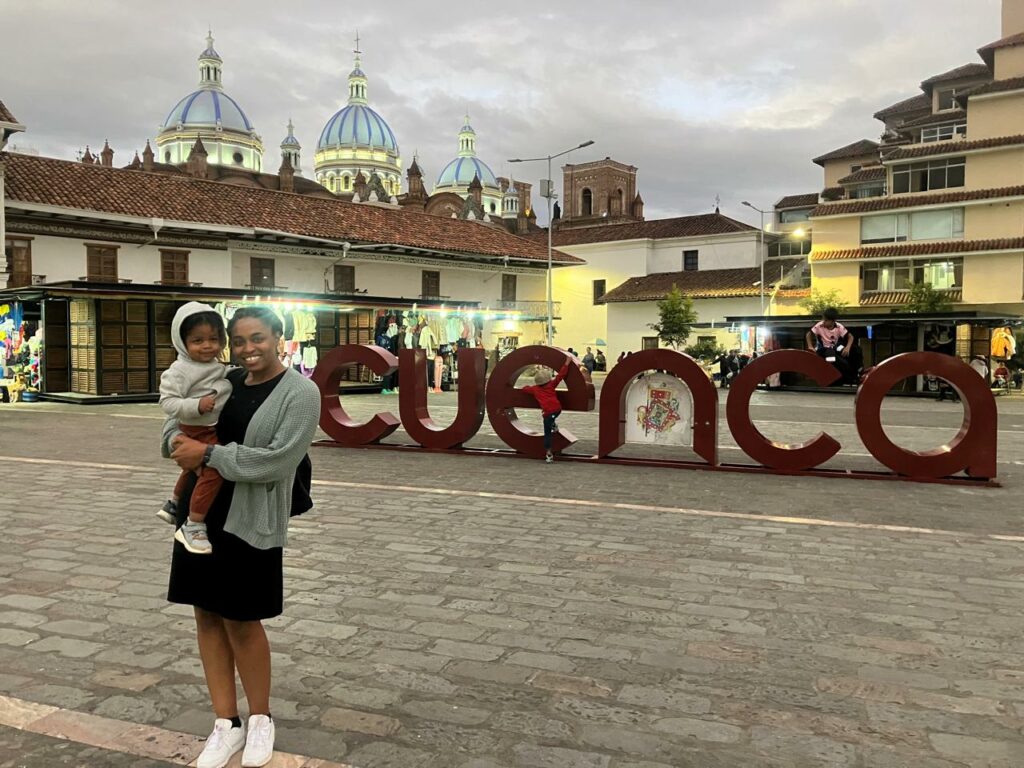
x=310 y=357
x=305 y=325
x=428 y=341
x=392 y=329
x=1003 y=343
x=452 y=328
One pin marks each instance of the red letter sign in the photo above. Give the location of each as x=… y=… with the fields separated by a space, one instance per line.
x=412 y=400
x=503 y=398
x=974 y=447
x=779 y=456
x=333 y=418
x=612 y=430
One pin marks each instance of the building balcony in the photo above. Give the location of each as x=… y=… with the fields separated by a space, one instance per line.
x=105 y=280
x=529 y=308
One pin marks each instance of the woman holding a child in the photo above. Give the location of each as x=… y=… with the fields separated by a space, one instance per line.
x=263 y=431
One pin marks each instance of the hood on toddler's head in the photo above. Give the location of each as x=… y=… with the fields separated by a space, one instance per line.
x=192 y=308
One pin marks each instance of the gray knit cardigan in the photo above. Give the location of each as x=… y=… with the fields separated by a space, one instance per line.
x=263 y=466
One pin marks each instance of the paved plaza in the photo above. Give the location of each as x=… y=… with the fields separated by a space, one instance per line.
x=490 y=612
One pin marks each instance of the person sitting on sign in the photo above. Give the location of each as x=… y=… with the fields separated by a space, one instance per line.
x=830 y=339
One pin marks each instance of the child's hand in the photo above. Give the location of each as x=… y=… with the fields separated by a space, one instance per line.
x=207 y=404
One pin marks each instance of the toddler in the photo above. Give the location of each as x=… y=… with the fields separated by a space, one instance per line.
x=544 y=393
x=193 y=391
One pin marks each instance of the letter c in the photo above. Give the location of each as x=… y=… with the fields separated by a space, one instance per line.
x=781 y=457
x=334 y=420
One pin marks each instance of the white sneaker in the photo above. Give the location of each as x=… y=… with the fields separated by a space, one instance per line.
x=193 y=537
x=259 y=742
x=224 y=742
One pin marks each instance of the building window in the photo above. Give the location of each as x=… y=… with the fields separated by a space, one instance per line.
x=430 y=285
x=947 y=99
x=508 y=288
x=690 y=261
x=101 y=263
x=167 y=156
x=942 y=224
x=874 y=189
x=587 y=208
x=237 y=157
x=344 y=278
x=922 y=177
x=261 y=273
x=599 y=290
x=649 y=342
x=942 y=274
x=174 y=267
x=791 y=217
x=943 y=132
x=800 y=247
x=18 y=258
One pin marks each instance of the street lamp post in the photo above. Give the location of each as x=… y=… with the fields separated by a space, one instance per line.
x=549 y=193
x=760 y=243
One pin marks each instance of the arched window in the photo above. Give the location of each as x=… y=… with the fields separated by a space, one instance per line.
x=587 y=208
x=167 y=156
x=493 y=207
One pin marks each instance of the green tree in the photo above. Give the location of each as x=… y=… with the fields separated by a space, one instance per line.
x=923 y=299
x=705 y=350
x=819 y=301
x=676 y=318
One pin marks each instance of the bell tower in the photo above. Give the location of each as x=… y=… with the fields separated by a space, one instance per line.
x=599 y=192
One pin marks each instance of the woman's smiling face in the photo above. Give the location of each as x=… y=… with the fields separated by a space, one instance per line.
x=254 y=345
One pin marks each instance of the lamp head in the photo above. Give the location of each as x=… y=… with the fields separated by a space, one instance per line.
x=585 y=144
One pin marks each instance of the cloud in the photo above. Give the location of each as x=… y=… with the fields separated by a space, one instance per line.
x=729 y=99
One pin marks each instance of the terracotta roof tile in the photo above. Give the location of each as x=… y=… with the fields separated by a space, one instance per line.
x=798 y=201
x=874 y=173
x=857 y=149
x=998 y=86
x=1004 y=42
x=850 y=207
x=972 y=70
x=794 y=293
x=935 y=119
x=902 y=250
x=6 y=116
x=698 y=284
x=67 y=184
x=683 y=226
x=948 y=148
x=913 y=104
x=881 y=298
x=832 y=193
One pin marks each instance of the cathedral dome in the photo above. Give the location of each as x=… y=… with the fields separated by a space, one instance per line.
x=209 y=113
x=207 y=108
x=360 y=126
x=460 y=172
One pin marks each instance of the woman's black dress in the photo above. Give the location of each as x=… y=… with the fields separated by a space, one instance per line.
x=236 y=581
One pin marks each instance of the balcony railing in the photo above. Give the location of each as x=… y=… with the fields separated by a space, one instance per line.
x=265 y=287
x=103 y=279
x=529 y=308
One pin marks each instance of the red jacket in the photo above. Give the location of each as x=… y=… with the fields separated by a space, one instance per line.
x=545 y=393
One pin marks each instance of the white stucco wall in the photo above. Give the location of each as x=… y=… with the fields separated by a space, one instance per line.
x=64 y=258
x=628 y=322
x=616 y=262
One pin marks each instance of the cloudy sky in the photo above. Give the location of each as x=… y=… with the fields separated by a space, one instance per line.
x=728 y=98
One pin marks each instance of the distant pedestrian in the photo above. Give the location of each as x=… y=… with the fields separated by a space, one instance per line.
x=543 y=391
x=622 y=356
x=264 y=433
x=600 y=363
x=589 y=360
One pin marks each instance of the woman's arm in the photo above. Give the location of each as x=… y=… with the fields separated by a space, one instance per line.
x=296 y=427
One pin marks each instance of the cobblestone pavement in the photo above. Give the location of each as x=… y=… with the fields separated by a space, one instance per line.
x=451 y=612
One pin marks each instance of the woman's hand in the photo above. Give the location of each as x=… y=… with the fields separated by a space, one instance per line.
x=188 y=453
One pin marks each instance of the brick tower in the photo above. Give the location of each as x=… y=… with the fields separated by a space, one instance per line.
x=600 y=192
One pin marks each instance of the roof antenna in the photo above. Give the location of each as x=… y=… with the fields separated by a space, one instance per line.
x=718 y=202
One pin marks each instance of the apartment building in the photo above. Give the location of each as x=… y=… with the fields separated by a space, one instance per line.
x=940 y=199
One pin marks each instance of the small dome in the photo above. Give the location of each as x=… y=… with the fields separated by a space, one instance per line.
x=359 y=125
x=208 y=107
x=460 y=172
x=290 y=140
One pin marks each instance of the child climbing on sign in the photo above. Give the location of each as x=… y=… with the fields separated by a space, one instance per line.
x=543 y=391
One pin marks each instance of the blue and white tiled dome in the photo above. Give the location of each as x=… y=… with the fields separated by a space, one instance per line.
x=208 y=107
x=357 y=125
x=460 y=172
